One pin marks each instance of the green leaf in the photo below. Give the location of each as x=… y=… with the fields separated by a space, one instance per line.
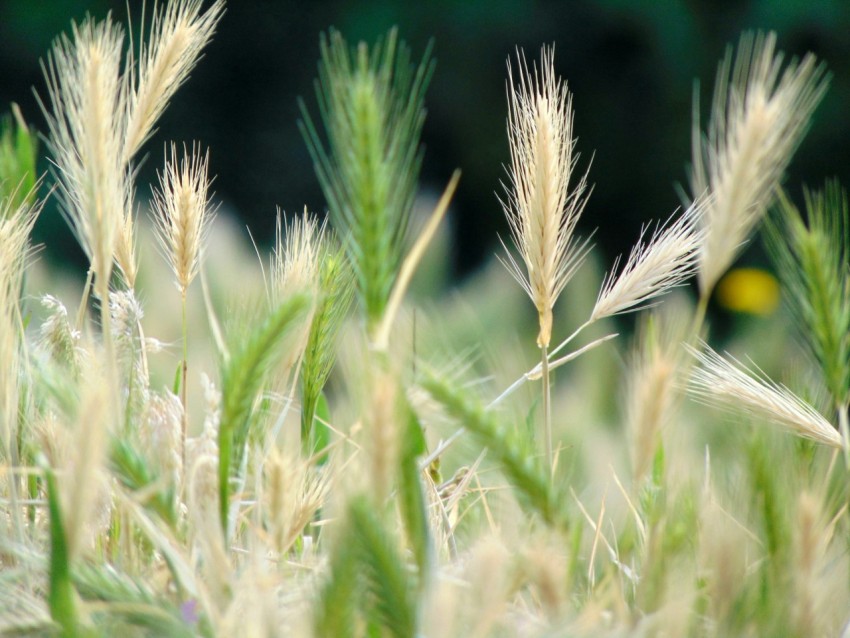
x=60 y=595
x=243 y=379
x=518 y=459
x=412 y=503
x=386 y=579
x=134 y=472
x=18 y=149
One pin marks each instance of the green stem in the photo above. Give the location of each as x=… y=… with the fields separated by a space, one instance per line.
x=184 y=421
x=699 y=316
x=547 y=409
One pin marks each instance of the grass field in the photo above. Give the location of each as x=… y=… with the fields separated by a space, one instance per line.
x=203 y=439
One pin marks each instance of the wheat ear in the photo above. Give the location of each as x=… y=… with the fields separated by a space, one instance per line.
x=759 y=116
x=541 y=209
x=733 y=386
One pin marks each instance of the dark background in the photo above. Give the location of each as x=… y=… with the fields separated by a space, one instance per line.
x=631 y=67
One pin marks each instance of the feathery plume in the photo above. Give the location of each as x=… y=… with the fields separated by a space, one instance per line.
x=86 y=125
x=16 y=223
x=59 y=337
x=178 y=34
x=733 y=386
x=182 y=213
x=651 y=396
x=541 y=209
x=758 y=118
x=654 y=267
x=371 y=101
x=297 y=255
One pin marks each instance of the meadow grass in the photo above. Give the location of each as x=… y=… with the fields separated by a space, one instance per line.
x=300 y=450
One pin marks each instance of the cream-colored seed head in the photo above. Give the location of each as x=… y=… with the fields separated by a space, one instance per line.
x=731 y=385
x=758 y=118
x=299 y=244
x=540 y=207
x=88 y=99
x=177 y=35
x=182 y=213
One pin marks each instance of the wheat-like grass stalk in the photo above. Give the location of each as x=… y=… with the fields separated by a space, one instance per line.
x=371 y=101
x=298 y=249
x=541 y=207
x=651 y=395
x=178 y=34
x=183 y=213
x=86 y=125
x=335 y=293
x=812 y=254
x=16 y=224
x=733 y=386
x=759 y=116
x=654 y=267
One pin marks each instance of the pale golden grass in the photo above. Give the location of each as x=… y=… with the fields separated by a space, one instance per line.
x=666 y=260
x=183 y=212
x=759 y=116
x=15 y=228
x=83 y=480
x=733 y=386
x=293 y=493
x=160 y=434
x=86 y=123
x=126 y=257
x=658 y=559
x=651 y=395
x=298 y=250
x=541 y=206
x=178 y=33
x=727 y=552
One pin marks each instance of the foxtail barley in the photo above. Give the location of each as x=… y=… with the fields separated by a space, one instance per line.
x=759 y=116
x=178 y=33
x=183 y=215
x=371 y=101
x=813 y=262
x=654 y=267
x=733 y=386
x=540 y=206
x=88 y=100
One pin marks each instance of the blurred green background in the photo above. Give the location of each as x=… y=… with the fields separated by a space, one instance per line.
x=631 y=67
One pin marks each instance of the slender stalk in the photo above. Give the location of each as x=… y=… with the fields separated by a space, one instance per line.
x=699 y=315
x=102 y=292
x=547 y=410
x=844 y=428
x=184 y=371
x=536 y=371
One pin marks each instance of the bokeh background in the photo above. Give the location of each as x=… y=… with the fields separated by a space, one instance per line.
x=631 y=65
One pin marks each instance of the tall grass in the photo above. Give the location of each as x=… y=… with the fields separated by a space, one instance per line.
x=255 y=457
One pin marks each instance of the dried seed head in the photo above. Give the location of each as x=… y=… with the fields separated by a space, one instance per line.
x=541 y=208
x=161 y=433
x=58 y=337
x=178 y=34
x=182 y=213
x=759 y=117
x=654 y=267
x=299 y=248
x=733 y=386
x=88 y=99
